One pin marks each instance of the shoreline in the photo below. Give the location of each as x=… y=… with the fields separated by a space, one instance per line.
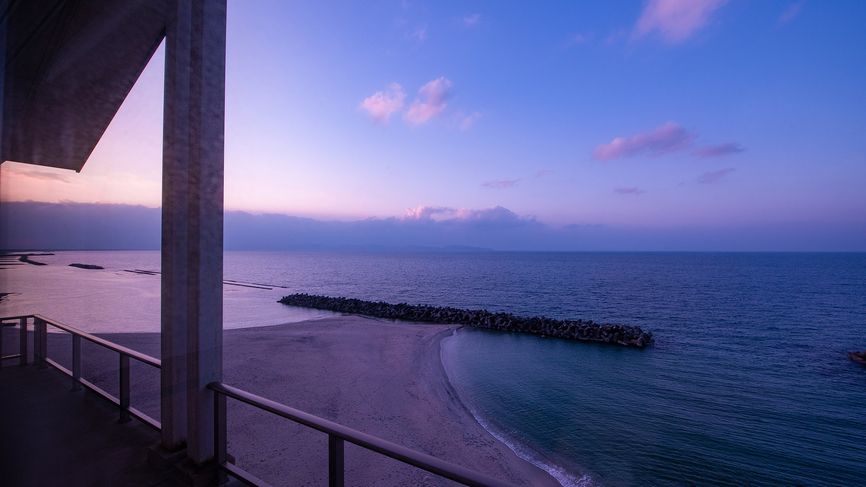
x=377 y=376
x=383 y=378
x=446 y=382
x=526 y=453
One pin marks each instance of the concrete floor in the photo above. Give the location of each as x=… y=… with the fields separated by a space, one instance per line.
x=50 y=436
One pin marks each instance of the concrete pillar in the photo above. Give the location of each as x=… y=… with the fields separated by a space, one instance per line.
x=3 y=17
x=192 y=222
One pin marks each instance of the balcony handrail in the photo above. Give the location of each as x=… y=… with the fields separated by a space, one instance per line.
x=337 y=433
x=40 y=356
x=342 y=433
x=147 y=359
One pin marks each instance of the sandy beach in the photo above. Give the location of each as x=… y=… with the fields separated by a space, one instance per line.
x=376 y=376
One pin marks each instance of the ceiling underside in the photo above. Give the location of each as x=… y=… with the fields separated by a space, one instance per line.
x=68 y=66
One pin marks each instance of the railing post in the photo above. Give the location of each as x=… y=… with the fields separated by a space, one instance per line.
x=36 y=342
x=22 y=342
x=76 y=362
x=219 y=435
x=40 y=332
x=335 y=461
x=124 y=388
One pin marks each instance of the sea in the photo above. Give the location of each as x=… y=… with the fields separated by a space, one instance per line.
x=748 y=382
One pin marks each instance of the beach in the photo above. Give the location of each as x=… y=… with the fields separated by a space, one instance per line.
x=749 y=377
x=380 y=377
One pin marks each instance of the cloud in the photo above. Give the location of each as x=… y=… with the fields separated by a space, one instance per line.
x=79 y=226
x=44 y=176
x=496 y=214
x=628 y=191
x=457 y=216
x=436 y=93
x=712 y=177
x=471 y=20
x=577 y=38
x=541 y=172
x=381 y=105
x=501 y=183
x=430 y=103
x=464 y=216
x=420 y=33
x=718 y=150
x=615 y=36
x=792 y=11
x=469 y=121
x=675 y=20
x=426 y=212
x=582 y=226
x=670 y=137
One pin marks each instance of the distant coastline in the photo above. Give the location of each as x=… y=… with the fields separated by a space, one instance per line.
x=96 y=226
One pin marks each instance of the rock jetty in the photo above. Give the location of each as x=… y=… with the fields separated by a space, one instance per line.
x=24 y=258
x=587 y=331
x=87 y=266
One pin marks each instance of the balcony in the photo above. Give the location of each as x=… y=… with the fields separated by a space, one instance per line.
x=67 y=428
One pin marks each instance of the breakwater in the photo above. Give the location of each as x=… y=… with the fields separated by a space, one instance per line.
x=587 y=331
x=24 y=258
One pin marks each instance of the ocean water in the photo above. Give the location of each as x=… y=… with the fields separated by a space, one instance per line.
x=748 y=382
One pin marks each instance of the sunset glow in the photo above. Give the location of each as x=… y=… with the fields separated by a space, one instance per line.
x=664 y=114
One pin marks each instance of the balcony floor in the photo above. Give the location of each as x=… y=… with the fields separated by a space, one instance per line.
x=54 y=437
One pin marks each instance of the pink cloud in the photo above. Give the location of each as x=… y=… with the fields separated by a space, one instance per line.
x=381 y=105
x=426 y=212
x=501 y=183
x=718 y=150
x=792 y=11
x=670 y=137
x=469 y=121
x=675 y=20
x=712 y=177
x=471 y=19
x=628 y=191
x=541 y=172
x=44 y=176
x=496 y=214
x=436 y=93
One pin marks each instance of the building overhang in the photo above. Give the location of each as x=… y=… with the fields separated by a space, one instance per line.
x=68 y=66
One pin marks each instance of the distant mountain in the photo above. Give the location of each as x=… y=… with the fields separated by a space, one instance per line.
x=78 y=226
x=412 y=248
x=89 y=226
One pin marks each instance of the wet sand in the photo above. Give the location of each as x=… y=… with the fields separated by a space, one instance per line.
x=379 y=377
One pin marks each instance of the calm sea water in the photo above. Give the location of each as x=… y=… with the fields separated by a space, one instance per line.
x=748 y=383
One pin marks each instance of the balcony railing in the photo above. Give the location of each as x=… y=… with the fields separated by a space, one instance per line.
x=40 y=357
x=337 y=434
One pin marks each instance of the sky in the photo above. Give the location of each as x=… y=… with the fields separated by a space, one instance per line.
x=673 y=118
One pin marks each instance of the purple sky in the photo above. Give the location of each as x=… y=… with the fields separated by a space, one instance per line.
x=666 y=117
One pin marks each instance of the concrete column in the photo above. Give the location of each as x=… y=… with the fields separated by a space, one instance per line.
x=3 y=17
x=192 y=222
